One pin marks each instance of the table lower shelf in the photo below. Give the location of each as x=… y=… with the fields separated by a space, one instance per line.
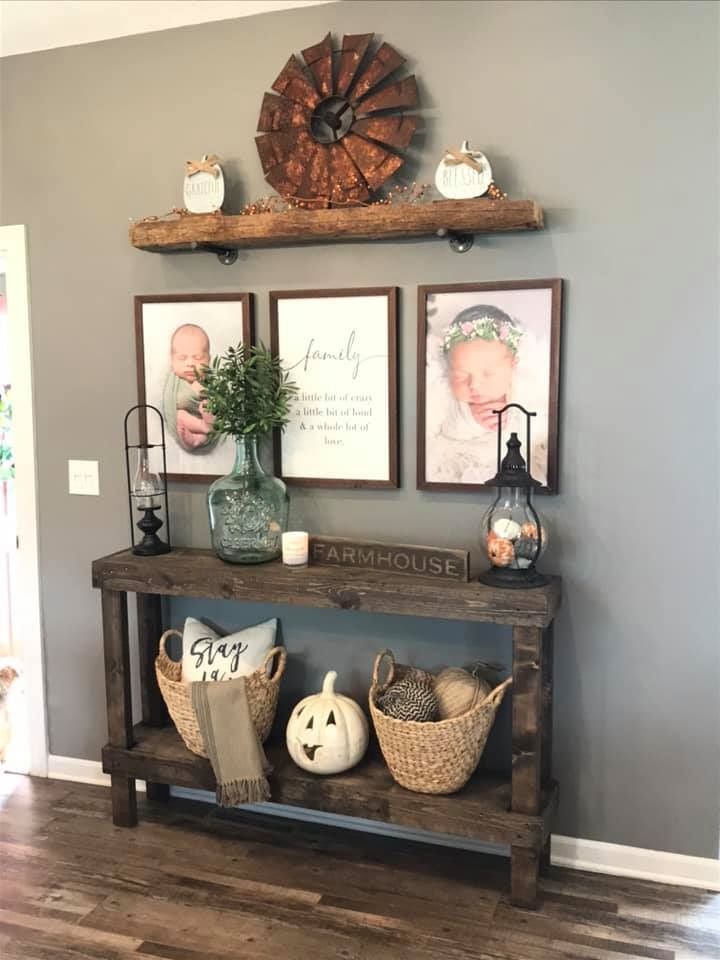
x=480 y=811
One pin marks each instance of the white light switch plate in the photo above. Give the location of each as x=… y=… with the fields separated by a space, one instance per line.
x=83 y=478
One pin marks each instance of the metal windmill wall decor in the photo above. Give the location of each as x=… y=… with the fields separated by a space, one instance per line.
x=331 y=132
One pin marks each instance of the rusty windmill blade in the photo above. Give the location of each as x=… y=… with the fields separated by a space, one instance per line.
x=385 y=61
x=393 y=131
x=277 y=113
x=373 y=161
x=278 y=146
x=316 y=182
x=403 y=93
x=305 y=174
x=354 y=47
x=294 y=84
x=347 y=184
x=319 y=60
x=286 y=177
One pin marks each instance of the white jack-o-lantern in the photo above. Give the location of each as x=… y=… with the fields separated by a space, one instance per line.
x=327 y=732
x=204 y=185
x=463 y=174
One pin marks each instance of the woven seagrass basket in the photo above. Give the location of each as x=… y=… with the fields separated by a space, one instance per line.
x=437 y=757
x=262 y=694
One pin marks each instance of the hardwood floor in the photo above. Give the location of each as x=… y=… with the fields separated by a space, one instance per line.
x=192 y=883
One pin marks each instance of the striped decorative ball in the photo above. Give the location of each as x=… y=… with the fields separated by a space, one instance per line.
x=418 y=675
x=409 y=700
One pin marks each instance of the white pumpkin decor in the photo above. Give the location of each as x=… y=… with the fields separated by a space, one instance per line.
x=327 y=732
x=204 y=185
x=458 y=178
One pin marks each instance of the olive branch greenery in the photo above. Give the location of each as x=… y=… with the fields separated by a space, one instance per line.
x=247 y=391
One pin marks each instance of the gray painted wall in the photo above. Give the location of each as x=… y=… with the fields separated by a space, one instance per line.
x=604 y=112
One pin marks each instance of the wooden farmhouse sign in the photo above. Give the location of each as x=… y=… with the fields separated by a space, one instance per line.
x=435 y=562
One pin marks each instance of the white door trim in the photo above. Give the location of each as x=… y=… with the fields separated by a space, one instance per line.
x=26 y=603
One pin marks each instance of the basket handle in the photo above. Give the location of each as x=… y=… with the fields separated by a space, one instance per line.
x=279 y=653
x=496 y=695
x=163 y=638
x=391 y=668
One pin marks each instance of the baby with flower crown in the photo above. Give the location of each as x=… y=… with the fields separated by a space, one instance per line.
x=480 y=350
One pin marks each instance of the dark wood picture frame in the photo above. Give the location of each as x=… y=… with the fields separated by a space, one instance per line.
x=247 y=336
x=392 y=482
x=556 y=287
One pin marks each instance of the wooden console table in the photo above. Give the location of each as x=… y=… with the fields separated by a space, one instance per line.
x=517 y=811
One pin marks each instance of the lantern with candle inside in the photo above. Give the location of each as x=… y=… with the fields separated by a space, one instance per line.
x=512 y=532
x=146 y=466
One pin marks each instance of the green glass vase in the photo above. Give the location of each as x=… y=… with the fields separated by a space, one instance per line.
x=248 y=509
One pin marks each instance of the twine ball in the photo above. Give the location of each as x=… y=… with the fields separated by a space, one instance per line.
x=458 y=691
x=409 y=700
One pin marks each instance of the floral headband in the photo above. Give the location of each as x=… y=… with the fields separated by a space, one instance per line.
x=476 y=324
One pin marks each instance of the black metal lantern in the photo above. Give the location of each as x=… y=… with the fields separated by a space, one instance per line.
x=512 y=531
x=147 y=486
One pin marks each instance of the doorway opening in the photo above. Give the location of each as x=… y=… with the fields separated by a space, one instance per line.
x=23 y=727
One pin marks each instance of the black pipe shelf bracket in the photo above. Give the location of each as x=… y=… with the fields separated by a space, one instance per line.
x=458 y=242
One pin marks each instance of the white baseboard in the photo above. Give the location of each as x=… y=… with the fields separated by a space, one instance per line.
x=613 y=859
x=618 y=860
x=81 y=771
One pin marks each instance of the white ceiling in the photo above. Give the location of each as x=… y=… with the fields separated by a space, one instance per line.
x=27 y=25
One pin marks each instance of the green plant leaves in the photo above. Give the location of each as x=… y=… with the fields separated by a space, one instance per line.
x=247 y=391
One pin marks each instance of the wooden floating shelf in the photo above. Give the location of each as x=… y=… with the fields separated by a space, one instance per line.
x=480 y=810
x=217 y=232
x=192 y=572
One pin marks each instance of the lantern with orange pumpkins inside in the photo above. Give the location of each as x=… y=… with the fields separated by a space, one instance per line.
x=512 y=532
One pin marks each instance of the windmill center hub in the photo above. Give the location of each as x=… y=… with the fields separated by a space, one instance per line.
x=331 y=119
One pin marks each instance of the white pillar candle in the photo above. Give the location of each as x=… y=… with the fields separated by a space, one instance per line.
x=295 y=548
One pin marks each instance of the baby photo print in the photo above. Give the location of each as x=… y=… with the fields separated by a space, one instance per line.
x=176 y=337
x=482 y=346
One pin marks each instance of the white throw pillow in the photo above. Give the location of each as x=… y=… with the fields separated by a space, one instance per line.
x=207 y=656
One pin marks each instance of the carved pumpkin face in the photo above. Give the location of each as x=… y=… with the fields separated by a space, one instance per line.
x=327 y=732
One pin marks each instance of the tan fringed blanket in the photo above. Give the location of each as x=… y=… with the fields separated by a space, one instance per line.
x=231 y=742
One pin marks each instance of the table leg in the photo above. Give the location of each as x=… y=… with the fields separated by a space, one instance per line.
x=527 y=715
x=119 y=704
x=545 y=859
x=157 y=792
x=124 y=801
x=154 y=711
x=547 y=705
x=547 y=729
x=526 y=719
x=524 y=865
x=150 y=626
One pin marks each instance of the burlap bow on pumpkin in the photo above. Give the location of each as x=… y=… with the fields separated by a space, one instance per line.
x=453 y=157
x=208 y=164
